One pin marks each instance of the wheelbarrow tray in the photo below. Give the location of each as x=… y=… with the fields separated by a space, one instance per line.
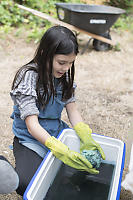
x=95 y=19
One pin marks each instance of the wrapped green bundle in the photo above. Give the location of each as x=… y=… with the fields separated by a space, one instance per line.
x=93 y=156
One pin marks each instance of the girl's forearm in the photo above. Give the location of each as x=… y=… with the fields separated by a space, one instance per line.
x=73 y=114
x=35 y=129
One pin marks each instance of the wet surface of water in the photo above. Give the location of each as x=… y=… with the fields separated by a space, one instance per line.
x=70 y=184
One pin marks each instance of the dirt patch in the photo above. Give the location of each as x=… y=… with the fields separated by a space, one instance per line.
x=104 y=93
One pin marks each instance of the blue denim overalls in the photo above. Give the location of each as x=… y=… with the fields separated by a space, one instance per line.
x=49 y=118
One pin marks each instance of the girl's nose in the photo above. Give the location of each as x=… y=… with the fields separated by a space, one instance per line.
x=67 y=67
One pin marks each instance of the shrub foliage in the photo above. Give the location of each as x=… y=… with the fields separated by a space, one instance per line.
x=121 y=3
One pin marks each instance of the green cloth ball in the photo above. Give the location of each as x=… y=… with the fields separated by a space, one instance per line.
x=93 y=156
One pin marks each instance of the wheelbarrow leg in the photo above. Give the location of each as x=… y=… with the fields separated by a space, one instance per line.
x=86 y=46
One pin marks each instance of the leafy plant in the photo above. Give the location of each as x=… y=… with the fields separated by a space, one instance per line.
x=117 y=47
x=124 y=23
x=10 y=14
x=121 y=3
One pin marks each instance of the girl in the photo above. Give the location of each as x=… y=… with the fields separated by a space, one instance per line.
x=40 y=91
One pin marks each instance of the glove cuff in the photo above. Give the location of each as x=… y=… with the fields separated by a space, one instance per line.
x=56 y=146
x=49 y=141
x=81 y=127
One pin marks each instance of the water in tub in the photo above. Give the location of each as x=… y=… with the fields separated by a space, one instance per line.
x=70 y=184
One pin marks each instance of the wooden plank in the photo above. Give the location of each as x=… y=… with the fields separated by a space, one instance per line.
x=61 y=23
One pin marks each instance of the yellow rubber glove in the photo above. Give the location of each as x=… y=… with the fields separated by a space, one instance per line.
x=86 y=140
x=69 y=157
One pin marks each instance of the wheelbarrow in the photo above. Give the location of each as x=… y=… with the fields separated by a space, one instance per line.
x=100 y=17
x=95 y=19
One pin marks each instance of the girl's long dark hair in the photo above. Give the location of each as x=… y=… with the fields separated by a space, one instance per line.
x=56 y=40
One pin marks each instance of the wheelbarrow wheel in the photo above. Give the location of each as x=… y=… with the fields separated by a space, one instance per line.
x=102 y=46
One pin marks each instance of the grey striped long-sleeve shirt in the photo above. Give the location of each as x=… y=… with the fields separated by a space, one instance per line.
x=25 y=96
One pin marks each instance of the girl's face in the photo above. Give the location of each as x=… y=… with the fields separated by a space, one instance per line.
x=62 y=63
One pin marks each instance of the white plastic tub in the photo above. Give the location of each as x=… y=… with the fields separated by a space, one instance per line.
x=114 y=150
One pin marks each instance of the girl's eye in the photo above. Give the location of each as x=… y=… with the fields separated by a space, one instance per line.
x=61 y=63
x=64 y=63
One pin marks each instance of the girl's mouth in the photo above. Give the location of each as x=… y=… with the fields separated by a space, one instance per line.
x=60 y=73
